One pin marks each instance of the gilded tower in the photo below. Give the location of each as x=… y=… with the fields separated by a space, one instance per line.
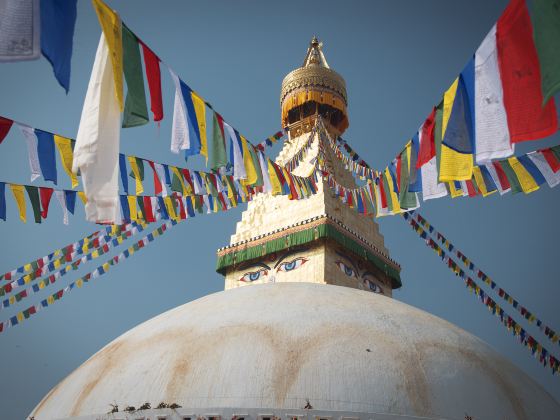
x=317 y=239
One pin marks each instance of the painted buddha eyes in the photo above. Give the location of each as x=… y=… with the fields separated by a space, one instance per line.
x=292 y=265
x=373 y=287
x=261 y=273
x=349 y=271
x=253 y=275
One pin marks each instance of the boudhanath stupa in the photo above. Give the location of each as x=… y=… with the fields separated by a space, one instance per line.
x=306 y=327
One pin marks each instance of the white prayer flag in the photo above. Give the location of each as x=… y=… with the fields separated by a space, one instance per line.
x=491 y=128
x=62 y=200
x=238 y=164
x=96 y=153
x=496 y=179
x=20 y=29
x=33 y=156
x=180 y=136
x=431 y=188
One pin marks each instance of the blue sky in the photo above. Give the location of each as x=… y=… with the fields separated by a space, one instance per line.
x=397 y=59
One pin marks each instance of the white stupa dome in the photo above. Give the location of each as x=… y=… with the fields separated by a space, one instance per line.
x=263 y=351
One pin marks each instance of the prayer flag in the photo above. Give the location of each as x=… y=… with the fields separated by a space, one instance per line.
x=123 y=172
x=96 y=151
x=33 y=194
x=532 y=169
x=274 y=180
x=492 y=140
x=438 y=134
x=112 y=29
x=499 y=177
x=33 y=157
x=552 y=178
x=62 y=201
x=180 y=135
x=546 y=31
x=17 y=191
x=427 y=141
x=200 y=112
x=236 y=154
x=58 y=20
x=157 y=183
x=253 y=175
x=46 y=194
x=70 y=198
x=137 y=166
x=45 y=151
x=3 y=201
x=135 y=108
x=64 y=147
x=132 y=207
x=264 y=172
x=153 y=74
x=218 y=157
x=511 y=175
x=5 y=125
x=415 y=173
x=457 y=146
x=19 y=37
x=521 y=77
x=525 y=179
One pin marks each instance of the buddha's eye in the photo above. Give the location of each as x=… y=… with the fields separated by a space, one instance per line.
x=292 y=265
x=254 y=275
x=349 y=271
x=373 y=287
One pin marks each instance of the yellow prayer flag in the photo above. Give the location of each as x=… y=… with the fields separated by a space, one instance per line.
x=448 y=99
x=200 y=110
x=12 y=300
x=480 y=182
x=454 y=191
x=79 y=283
x=455 y=166
x=275 y=182
x=17 y=191
x=64 y=147
x=105 y=266
x=20 y=316
x=27 y=278
x=27 y=267
x=42 y=285
x=392 y=193
x=82 y=196
x=95 y=254
x=50 y=299
x=112 y=29
x=56 y=263
x=527 y=182
x=408 y=152
x=169 y=206
x=250 y=169
x=136 y=172
x=132 y=207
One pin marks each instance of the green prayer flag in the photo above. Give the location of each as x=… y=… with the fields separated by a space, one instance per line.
x=218 y=156
x=135 y=108
x=140 y=201
x=33 y=193
x=512 y=178
x=387 y=193
x=546 y=32
x=176 y=184
x=407 y=199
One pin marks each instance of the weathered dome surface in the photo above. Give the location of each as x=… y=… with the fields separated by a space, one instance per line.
x=276 y=345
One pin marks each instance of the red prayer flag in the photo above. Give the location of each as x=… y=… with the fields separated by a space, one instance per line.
x=521 y=77
x=157 y=183
x=148 y=213
x=551 y=160
x=382 y=194
x=427 y=145
x=470 y=188
x=5 y=125
x=46 y=194
x=502 y=177
x=153 y=74
x=182 y=212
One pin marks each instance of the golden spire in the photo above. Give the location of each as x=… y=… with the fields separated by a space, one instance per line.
x=314 y=89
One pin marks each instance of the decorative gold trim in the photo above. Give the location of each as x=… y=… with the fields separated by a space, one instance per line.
x=313 y=77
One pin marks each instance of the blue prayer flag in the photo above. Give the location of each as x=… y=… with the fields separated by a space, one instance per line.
x=125 y=208
x=46 y=152
x=194 y=148
x=122 y=170
x=70 y=200
x=58 y=19
x=532 y=169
